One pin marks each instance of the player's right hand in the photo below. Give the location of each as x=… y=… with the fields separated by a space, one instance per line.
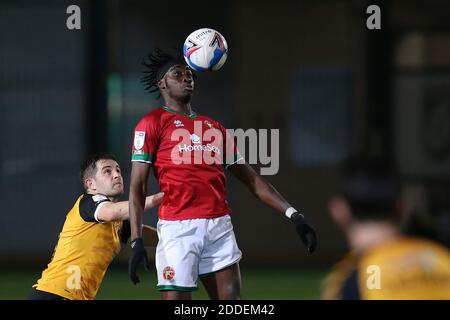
x=138 y=255
x=305 y=231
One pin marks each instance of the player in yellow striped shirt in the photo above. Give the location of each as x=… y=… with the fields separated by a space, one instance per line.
x=91 y=235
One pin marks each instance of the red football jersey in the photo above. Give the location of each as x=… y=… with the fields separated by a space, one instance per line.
x=188 y=154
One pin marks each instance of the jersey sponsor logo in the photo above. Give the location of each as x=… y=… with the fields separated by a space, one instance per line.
x=139 y=138
x=178 y=123
x=199 y=147
x=168 y=273
x=195 y=138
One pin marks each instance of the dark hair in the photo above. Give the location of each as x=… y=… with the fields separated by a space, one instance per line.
x=157 y=64
x=371 y=187
x=89 y=168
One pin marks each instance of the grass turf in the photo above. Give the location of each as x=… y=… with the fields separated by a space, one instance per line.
x=257 y=284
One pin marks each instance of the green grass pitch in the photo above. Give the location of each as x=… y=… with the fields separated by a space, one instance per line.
x=257 y=283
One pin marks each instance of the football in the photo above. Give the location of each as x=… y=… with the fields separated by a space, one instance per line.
x=205 y=50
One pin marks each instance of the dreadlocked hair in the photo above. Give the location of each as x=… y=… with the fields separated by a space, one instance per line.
x=154 y=62
x=157 y=64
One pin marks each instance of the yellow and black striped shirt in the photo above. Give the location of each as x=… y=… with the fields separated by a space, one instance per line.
x=85 y=248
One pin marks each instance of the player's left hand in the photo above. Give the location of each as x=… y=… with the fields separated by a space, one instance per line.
x=138 y=255
x=305 y=231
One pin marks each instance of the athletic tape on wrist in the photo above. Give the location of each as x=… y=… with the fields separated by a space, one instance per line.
x=289 y=212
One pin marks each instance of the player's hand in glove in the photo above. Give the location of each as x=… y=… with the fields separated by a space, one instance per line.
x=138 y=255
x=305 y=231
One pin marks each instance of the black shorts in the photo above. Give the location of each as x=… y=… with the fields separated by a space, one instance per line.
x=43 y=295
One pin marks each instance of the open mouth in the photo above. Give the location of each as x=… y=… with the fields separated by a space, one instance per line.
x=189 y=88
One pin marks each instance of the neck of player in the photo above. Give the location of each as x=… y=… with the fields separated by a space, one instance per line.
x=111 y=198
x=364 y=236
x=177 y=105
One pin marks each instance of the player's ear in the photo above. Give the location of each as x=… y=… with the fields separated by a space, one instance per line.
x=340 y=211
x=89 y=184
x=161 y=84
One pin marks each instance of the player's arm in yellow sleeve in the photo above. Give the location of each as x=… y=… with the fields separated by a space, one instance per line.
x=113 y=211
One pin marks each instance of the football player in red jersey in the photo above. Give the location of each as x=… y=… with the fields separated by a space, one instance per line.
x=187 y=152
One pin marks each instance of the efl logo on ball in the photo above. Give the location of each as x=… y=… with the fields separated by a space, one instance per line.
x=205 y=50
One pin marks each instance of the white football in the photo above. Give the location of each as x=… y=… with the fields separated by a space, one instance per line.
x=205 y=50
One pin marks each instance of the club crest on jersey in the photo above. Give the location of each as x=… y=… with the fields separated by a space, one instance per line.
x=168 y=273
x=195 y=138
x=178 y=123
x=139 y=138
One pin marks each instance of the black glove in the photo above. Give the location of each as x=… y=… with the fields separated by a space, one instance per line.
x=138 y=255
x=305 y=231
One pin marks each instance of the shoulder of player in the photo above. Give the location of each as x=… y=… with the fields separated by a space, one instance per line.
x=414 y=242
x=152 y=119
x=89 y=202
x=94 y=197
x=89 y=206
x=385 y=252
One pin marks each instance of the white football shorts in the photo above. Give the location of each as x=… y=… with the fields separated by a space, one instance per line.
x=188 y=249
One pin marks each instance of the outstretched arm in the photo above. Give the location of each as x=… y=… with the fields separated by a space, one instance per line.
x=113 y=211
x=265 y=192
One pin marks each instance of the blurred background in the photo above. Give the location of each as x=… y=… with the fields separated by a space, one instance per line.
x=309 y=68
